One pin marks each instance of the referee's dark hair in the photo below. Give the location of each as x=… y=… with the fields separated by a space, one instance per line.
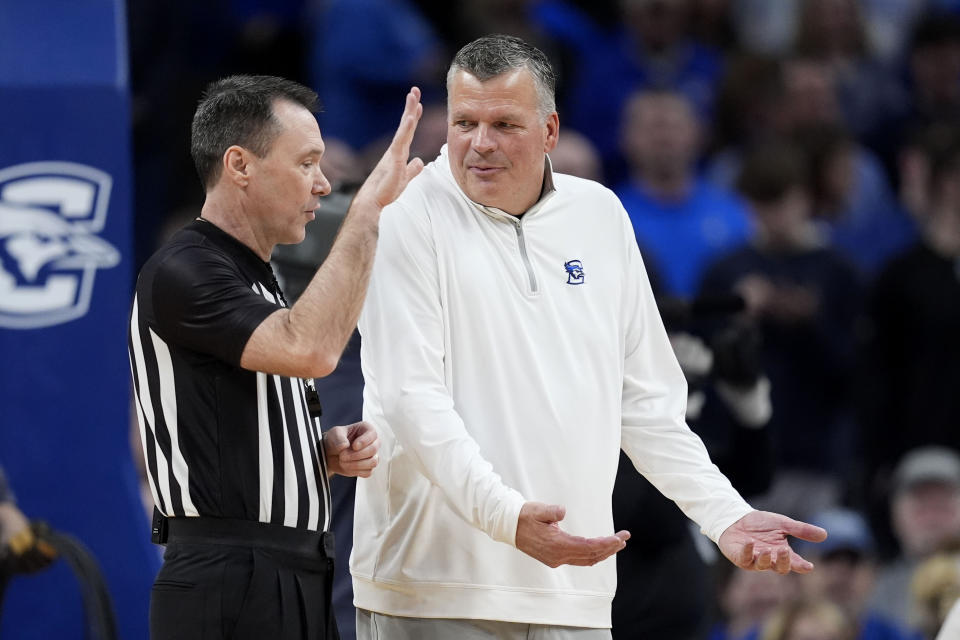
x=238 y=110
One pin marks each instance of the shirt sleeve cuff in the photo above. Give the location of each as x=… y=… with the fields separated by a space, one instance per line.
x=505 y=528
x=727 y=517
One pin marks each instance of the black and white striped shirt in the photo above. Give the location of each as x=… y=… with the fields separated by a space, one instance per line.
x=219 y=440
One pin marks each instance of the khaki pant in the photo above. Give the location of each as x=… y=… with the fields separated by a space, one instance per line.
x=378 y=626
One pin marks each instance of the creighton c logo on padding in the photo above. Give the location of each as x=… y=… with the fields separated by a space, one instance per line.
x=50 y=215
x=574 y=271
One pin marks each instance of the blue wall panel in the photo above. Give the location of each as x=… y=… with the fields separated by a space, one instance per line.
x=65 y=286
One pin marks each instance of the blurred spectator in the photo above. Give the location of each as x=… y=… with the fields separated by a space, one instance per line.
x=649 y=48
x=915 y=164
x=749 y=104
x=925 y=506
x=747 y=599
x=933 y=78
x=680 y=218
x=926 y=499
x=805 y=297
x=809 y=620
x=482 y=17
x=576 y=155
x=889 y=24
x=711 y=24
x=833 y=32
x=911 y=360
x=935 y=589
x=810 y=94
x=526 y=19
x=935 y=68
x=765 y=27
x=860 y=214
x=430 y=136
x=365 y=53
x=852 y=202
x=341 y=165
x=846 y=572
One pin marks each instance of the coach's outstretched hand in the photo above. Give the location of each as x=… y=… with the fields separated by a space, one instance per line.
x=758 y=542
x=539 y=535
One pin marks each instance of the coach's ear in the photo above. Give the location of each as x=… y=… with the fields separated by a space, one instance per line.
x=551 y=132
x=236 y=165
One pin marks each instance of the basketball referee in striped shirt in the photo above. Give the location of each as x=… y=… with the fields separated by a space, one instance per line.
x=236 y=460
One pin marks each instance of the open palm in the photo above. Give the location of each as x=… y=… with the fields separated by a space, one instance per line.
x=392 y=173
x=758 y=542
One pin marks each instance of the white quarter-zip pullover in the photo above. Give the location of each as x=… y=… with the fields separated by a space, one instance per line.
x=509 y=359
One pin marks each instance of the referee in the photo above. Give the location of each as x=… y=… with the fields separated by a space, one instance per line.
x=222 y=367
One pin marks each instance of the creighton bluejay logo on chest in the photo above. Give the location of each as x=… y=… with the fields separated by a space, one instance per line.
x=574 y=271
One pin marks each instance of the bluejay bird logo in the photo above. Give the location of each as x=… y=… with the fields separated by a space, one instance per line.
x=574 y=271
x=50 y=214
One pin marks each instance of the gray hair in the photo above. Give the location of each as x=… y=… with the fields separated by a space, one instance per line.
x=492 y=55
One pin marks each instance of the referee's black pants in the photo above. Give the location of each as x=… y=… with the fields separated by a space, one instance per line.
x=216 y=591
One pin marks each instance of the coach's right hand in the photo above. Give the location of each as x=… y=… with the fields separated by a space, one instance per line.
x=539 y=535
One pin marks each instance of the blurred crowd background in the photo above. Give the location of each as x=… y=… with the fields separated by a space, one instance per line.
x=792 y=171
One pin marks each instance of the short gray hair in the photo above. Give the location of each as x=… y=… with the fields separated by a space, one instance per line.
x=492 y=55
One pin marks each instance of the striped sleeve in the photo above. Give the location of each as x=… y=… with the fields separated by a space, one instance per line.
x=206 y=305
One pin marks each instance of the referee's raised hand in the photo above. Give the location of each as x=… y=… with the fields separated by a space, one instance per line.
x=288 y=342
x=391 y=175
x=539 y=535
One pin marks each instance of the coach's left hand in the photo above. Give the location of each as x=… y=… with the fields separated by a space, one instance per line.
x=352 y=450
x=758 y=542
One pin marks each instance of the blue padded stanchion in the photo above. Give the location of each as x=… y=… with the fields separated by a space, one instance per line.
x=65 y=290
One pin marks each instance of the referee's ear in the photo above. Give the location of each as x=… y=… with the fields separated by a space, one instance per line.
x=237 y=165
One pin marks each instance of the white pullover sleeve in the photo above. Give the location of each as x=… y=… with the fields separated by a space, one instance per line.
x=402 y=326
x=654 y=431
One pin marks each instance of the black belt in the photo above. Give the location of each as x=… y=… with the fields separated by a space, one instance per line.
x=245 y=533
